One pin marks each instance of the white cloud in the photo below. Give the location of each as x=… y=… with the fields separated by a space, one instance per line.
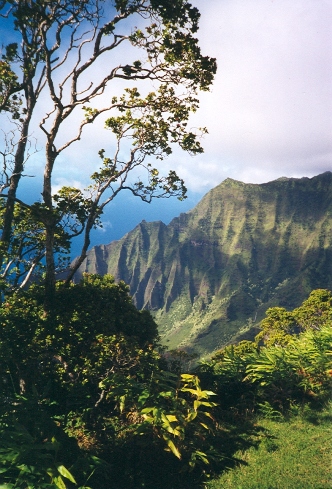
x=270 y=109
x=60 y=182
x=106 y=226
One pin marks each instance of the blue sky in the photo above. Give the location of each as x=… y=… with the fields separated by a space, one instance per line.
x=269 y=113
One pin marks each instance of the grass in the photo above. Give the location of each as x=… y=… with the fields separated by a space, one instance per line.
x=292 y=454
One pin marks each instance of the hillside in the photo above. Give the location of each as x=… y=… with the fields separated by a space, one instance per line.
x=211 y=273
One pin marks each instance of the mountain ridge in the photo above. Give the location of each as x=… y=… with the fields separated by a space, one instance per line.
x=210 y=273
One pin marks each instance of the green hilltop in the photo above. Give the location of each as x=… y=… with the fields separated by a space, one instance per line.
x=209 y=276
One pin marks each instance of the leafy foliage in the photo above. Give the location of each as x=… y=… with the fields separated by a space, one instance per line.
x=280 y=324
x=166 y=409
x=246 y=376
x=86 y=400
x=36 y=452
x=24 y=258
x=77 y=389
x=75 y=343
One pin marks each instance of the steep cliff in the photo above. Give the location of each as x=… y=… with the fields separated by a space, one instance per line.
x=212 y=272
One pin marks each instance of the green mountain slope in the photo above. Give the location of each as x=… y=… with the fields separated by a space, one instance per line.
x=211 y=273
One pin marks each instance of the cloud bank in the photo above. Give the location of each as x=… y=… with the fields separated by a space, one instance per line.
x=269 y=112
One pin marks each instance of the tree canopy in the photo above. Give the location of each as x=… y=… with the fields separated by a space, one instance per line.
x=279 y=324
x=76 y=386
x=64 y=61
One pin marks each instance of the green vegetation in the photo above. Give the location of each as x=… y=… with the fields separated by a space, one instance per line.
x=249 y=374
x=280 y=325
x=210 y=275
x=292 y=453
x=284 y=387
x=89 y=400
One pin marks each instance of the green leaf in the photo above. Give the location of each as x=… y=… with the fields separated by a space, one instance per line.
x=195 y=392
x=147 y=410
x=65 y=473
x=172 y=447
x=59 y=482
x=171 y=417
x=191 y=416
x=202 y=456
x=197 y=404
x=209 y=415
x=187 y=377
x=204 y=426
x=208 y=404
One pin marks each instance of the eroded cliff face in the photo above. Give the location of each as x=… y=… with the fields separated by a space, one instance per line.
x=212 y=272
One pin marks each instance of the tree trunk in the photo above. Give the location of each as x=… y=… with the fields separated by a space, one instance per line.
x=78 y=262
x=12 y=190
x=50 y=224
x=18 y=164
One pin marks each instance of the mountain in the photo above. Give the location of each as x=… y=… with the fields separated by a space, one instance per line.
x=210 y=274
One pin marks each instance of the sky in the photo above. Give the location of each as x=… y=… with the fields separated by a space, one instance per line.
x=269 y=112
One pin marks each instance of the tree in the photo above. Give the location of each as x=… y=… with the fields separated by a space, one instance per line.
x=316 y=311
x=277 y=327
x=279 y=324
x=62 y=348
x=50 y=67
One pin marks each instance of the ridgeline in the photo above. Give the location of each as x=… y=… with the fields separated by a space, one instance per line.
x=209 y=276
